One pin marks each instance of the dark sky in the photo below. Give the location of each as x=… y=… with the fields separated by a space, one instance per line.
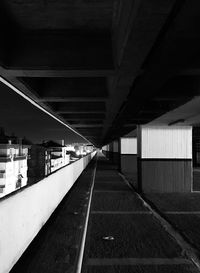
x=19 y=116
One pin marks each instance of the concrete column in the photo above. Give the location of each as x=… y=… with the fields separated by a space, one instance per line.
x=128 y=158
x=116 y=154
x=111 y=151
x=165 y=158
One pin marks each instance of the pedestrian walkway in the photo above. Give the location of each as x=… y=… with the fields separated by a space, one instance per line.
x=122 y=234
x=183 y=211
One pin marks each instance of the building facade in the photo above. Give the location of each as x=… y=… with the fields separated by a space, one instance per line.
x=13 y=167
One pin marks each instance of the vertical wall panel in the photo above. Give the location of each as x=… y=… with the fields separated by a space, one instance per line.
x=128 y=159
x=139 y=141
x=104 y=148
x=166 y=142
x=111 y=147
x=166 y=176
x=129 y=145
x=165 y=163
x=115 y=146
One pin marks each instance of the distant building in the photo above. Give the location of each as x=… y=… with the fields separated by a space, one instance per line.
x=13 y=163
x=70 y=148
x=89 y=148
x=58 y=155
x=13 y=167
x=39 y=163
x=83 y=149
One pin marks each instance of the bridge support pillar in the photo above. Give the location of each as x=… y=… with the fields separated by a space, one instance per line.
x=128 y=158
x=111 y=151
x=116 y=153
x=165 y=158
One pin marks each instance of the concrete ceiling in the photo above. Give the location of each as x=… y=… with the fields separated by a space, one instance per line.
x=102 y=66
x=61 y=14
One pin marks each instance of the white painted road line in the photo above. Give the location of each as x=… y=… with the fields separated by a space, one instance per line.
x=81 y=253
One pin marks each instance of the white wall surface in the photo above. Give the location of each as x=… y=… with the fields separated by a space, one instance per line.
x=23 y=214
x=129 y=145
x=166 y=142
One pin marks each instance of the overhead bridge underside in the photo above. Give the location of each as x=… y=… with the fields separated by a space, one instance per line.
x=102 y=66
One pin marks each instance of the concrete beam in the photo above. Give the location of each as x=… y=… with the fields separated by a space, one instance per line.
x=84 y=116
x=88 y=125
x=58 y=73
x=71 y=99
x=68 y=88
x=77 y=111
x=85 y=122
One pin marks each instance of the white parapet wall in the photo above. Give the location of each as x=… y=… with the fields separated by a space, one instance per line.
x=23 y=214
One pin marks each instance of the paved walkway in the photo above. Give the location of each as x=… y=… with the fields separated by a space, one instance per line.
x=122 y=235
x=183 y=211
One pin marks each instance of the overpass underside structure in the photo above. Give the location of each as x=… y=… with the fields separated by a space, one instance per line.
x=103 y=67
